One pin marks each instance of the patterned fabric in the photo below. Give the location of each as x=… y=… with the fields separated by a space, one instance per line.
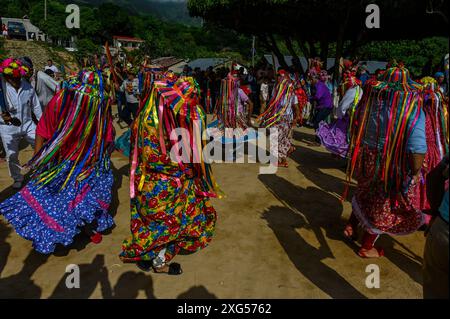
x=334 y=136
x=397 y=214
x=432 y=159
x=169 y=210
x=284 y=127
x=48 y=216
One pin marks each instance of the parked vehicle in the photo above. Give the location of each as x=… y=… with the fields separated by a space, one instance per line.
x=16 y=30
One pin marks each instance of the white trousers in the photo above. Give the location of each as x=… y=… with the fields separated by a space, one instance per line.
x=11 y=137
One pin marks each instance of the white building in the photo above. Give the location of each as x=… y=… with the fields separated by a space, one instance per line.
x=33 y=32
x=122 y=43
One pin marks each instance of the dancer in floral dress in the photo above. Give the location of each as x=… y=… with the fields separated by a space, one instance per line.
x=281 y=114
x=170 y=207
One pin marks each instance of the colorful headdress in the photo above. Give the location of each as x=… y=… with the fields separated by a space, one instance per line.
x=173 y=106
x=316 y=64
x=79 y=142
x=349 y=80
x=397 y=99
x=13 y=67
x=227 y=111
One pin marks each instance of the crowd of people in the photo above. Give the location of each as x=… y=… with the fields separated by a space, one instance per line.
x=392 y=130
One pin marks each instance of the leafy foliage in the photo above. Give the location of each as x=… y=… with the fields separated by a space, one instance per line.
x=101 y=20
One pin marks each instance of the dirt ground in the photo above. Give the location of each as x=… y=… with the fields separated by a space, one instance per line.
x=277 y=236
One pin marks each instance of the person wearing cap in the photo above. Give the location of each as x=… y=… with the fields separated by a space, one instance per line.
x=21 y=102
x=131 y=89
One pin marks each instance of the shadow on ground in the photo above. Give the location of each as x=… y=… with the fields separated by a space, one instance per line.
x=306 y=258
x=310 y=163
x=96 y=273
x=21 y=285
x=197 y=292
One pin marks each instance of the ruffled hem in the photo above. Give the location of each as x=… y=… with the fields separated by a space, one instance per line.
x=370 y=228
x=333 y=139
x=48 y=218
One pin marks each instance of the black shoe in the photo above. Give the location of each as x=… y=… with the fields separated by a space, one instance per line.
x=144 y=265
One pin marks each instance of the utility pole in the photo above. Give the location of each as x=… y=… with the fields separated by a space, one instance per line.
x=253 y=51
x=45 y=10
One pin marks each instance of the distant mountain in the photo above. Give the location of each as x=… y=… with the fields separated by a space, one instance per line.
x=167 y=10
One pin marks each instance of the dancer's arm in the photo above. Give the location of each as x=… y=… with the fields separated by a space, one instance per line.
x=417 y=146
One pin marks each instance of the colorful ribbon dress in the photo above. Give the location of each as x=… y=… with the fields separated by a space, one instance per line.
x=387 y=128
x=71 y=181
x=170 y=206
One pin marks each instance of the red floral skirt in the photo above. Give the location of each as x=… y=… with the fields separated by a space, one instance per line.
x=378 y=212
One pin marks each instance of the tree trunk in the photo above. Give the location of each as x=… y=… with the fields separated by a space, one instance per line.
x=295 y=58
x=340 y=46
x=304 y=49
x=276 y=50
x=359 y=41
x=312 y=49
x=324 y=49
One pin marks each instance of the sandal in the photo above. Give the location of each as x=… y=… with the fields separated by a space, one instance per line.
x=283 y=165
x=174 y=269
x=363 y=254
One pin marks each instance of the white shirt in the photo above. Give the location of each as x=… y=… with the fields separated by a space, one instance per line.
x=131 y=89
x=53 y=68
x=20 y=104
x=349 y=100
x=289 y=110
x=46 y=87
x=265 y=91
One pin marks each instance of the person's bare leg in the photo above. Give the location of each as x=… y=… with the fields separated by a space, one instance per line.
x=368 y=249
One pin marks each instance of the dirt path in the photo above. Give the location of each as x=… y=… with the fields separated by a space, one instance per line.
x=277 y=237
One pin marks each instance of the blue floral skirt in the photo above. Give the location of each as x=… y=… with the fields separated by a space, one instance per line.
x=47 y=215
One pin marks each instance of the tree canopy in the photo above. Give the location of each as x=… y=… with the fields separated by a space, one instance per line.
x=302 y=24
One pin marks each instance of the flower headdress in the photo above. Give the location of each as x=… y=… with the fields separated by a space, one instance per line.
x=14 y=68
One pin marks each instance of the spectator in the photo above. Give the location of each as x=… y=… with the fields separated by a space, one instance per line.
x=131 y=88
x=364 y=74
x=4 y=30
x=21 y=103
x=323 y=101
x=435 y=265
x=264 y=94
x=51 y=66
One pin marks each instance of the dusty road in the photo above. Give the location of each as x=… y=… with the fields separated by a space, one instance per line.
x=278 y=236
